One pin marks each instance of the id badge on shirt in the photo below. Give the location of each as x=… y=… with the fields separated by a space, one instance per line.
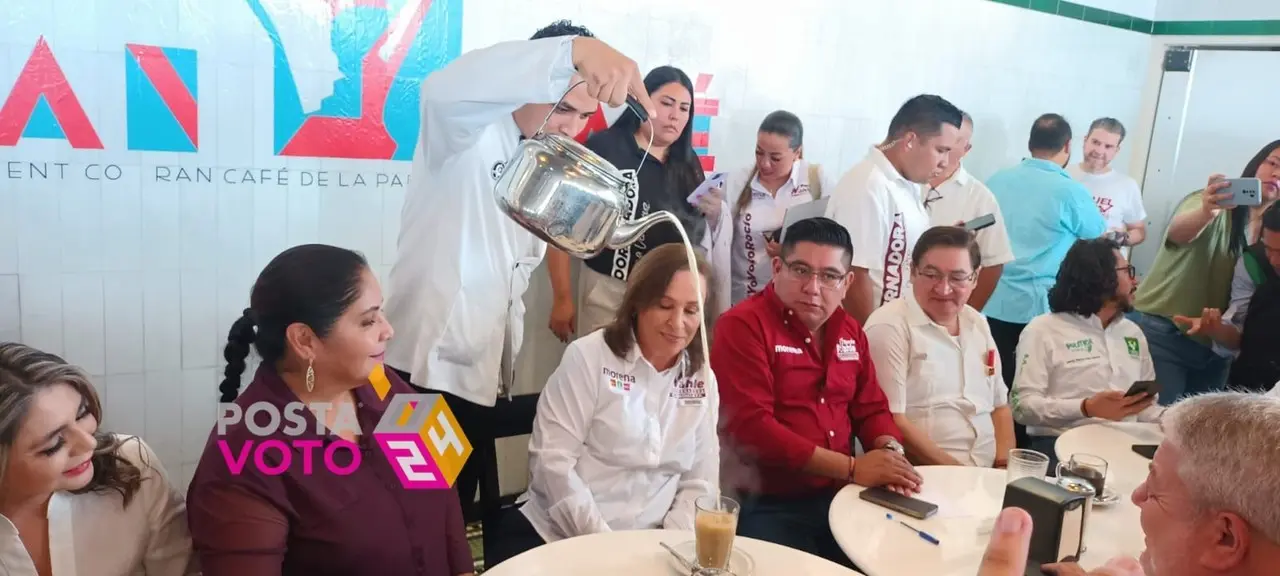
x=690 y=391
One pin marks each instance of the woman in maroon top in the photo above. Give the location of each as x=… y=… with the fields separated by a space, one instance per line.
x=316 y=321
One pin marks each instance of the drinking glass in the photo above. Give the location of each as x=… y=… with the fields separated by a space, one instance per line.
x=1087 y=467
x=1023 y=463
x=714 y=524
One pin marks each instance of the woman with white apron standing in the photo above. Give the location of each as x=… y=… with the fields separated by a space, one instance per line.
x=761 y=195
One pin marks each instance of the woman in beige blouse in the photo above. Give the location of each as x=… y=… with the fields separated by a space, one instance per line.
x=76 y=500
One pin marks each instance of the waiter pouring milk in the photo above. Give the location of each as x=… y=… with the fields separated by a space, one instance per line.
x=462 y=266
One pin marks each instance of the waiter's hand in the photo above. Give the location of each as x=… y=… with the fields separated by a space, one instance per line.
x=562 y=319
x=1007 y=550
x=609 y=74
x=886 y=468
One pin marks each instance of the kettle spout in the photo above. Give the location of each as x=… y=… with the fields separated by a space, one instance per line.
x=627 y=233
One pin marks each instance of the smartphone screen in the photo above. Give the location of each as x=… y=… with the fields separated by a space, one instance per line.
x=980 y=222
x=1143 y=387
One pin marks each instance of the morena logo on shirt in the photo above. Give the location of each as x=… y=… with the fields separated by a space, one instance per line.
x=417 y=433
x=784 y=349
x=893 y=261
x=617 y=382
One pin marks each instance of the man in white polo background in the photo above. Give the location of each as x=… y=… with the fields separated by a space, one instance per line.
x=1118 y=196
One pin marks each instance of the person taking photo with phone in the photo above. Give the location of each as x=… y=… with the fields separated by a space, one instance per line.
x=1076 y=363
x=1193 y=271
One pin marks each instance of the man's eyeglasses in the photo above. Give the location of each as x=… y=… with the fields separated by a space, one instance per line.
x=1130 y=269
x=826 y=278
x=933 y=195
x=957 y=280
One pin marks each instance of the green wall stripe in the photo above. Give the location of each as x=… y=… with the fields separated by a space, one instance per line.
x=1101 y=17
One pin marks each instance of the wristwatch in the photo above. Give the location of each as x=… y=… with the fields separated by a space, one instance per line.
x=895 y=446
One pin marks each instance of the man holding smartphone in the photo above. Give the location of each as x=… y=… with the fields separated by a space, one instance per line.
x=1076 y=363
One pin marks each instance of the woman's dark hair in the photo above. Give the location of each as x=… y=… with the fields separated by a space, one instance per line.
x=781 y=123
x=646 y=286
x=682 y=169
x=1087 y=279
x=1240 y=214
x=26 y=371
x=312 y=284
x=947 y=237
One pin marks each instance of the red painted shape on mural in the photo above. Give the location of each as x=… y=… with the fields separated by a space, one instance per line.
x=42 y=76
x=172 y=90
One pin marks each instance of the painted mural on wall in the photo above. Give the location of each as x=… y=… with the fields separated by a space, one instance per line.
x=359 y=102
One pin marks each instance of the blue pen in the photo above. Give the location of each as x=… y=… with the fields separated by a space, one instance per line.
x=927 y=537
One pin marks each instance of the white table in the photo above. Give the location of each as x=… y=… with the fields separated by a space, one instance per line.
x=636 y=552
x=968 y=500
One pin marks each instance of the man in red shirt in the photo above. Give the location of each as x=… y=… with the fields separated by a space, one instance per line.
x=796 y=381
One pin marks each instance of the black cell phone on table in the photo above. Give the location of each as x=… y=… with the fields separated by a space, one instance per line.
x=980 y=222
x=1148 y=387
x=913 y=507
x=1147 y=451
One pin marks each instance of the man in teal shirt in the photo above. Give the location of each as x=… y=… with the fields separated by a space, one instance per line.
x=1045 y=211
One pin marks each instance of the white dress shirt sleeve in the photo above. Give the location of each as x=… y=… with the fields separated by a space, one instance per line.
x=860 y=209
x=565 y=411
x=481 y=86
x=1032 y=403
x=887 y=341
x=1000 y=391
x=169 y=543
x=703 y=478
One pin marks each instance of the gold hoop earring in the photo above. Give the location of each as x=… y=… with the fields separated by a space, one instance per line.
x=311 y=376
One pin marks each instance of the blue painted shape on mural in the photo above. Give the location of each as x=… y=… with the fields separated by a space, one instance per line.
x=42 y=123
x=354 y=32
x=183 y=61
x=701 y=123
x=150 y=125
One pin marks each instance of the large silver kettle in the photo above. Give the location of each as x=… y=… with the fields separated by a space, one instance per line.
x=569 y=196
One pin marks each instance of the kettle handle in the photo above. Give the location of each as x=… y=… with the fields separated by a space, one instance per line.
x=632 y=104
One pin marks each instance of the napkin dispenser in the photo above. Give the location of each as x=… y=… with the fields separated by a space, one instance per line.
x=1058 y=517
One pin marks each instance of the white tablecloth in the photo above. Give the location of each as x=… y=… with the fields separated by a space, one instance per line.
x=637 y=553
x=968 y=500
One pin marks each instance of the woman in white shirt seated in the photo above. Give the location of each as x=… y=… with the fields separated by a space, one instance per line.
x=936 y=360
x=625 y=435
x=73 y=498
x=760 y=196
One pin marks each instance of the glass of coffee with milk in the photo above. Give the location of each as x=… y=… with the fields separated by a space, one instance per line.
x=714 y=524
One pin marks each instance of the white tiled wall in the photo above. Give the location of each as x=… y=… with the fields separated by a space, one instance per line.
x=138 y=281
x=1218 y=10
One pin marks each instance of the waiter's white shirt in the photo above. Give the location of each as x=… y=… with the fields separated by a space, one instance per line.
x=462 y=266
x=1064 y=358
x=947 y=385
x=618 y=445
x=961 y=199
x=93 y=535
x=884 y=213
x=751 y=265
